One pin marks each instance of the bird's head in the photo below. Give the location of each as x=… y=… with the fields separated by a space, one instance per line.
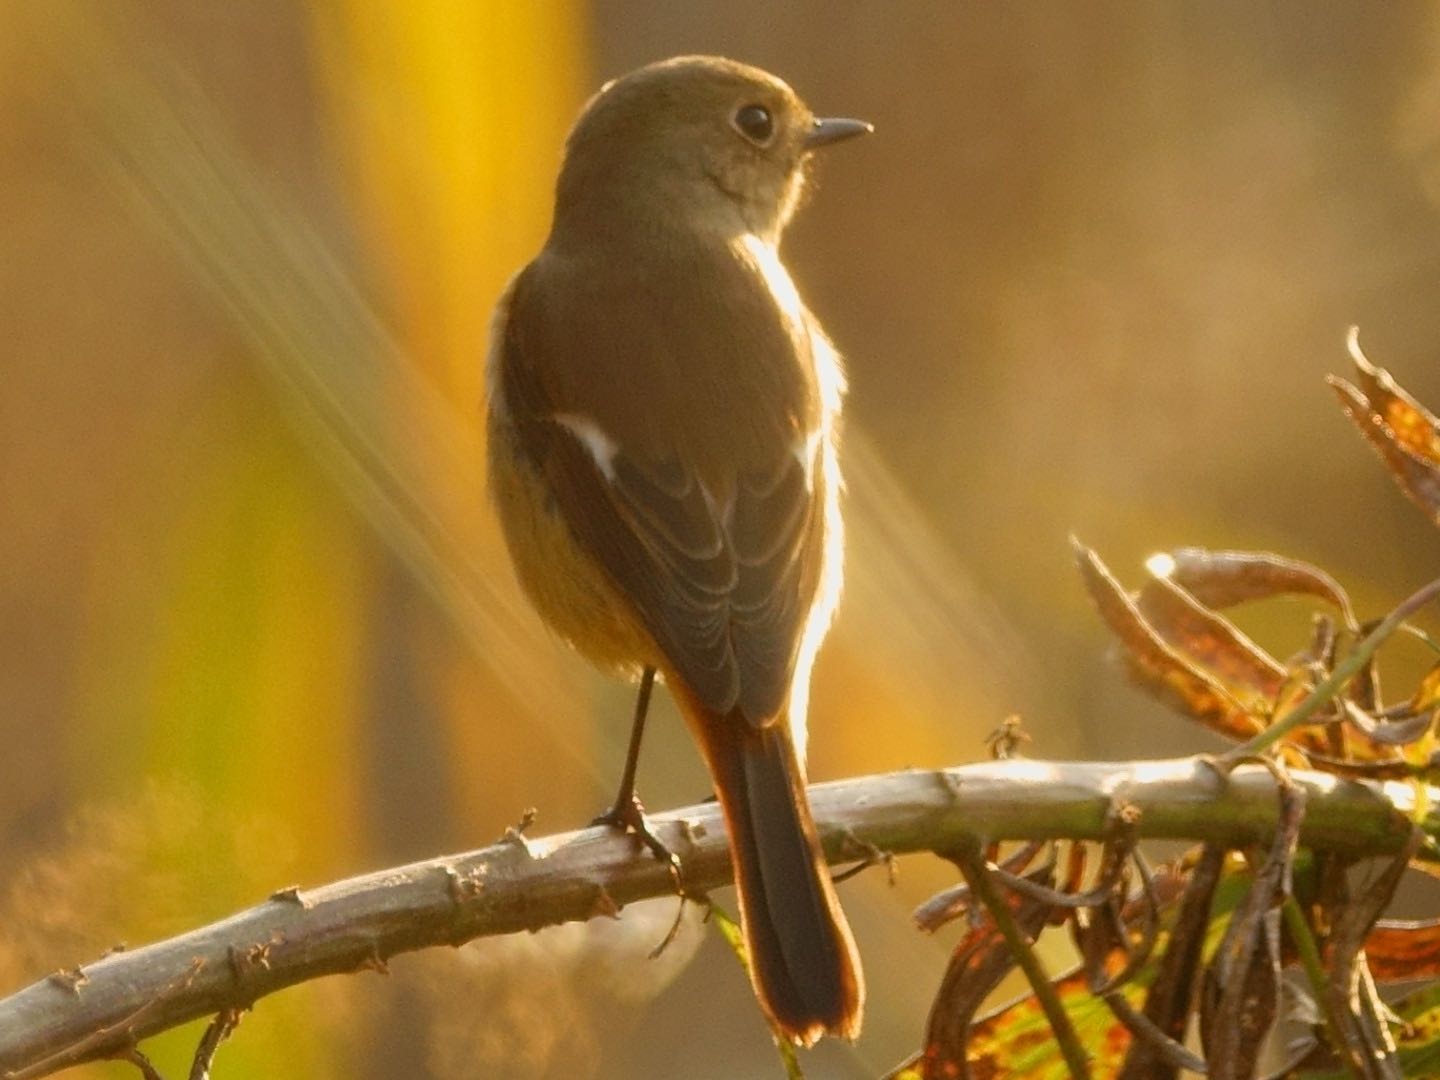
x=695 y=142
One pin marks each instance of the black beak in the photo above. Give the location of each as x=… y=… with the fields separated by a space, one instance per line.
x=833 y=130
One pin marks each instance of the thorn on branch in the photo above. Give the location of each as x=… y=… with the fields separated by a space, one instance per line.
x=119 y=1033
x=515 y=834
x=245 y=959
x=289 y=895
x=373 y=961
x=466 y=886
x=605 y=904
x=70 y=979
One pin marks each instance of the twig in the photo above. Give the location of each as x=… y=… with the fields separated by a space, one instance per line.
x=141 y=1062
x=1347 y=967
x=1170 y=1052
x=1138 y=955
x=218 y=1031
x=953 y=902
x=977 y=876
x=1247 y=962
x=1168 y=1002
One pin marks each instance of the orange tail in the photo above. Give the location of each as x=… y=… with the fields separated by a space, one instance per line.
x=802 y=958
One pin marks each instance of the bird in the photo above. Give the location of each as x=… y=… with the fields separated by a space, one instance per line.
x=663 y=423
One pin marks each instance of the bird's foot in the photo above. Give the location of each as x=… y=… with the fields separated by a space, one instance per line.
x=628 y=815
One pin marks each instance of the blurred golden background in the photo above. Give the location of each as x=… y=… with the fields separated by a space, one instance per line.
x=256 y=624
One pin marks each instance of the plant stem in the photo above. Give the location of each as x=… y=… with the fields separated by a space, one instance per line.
x=1344 y=671
x=1314 y=966
x=972 y=865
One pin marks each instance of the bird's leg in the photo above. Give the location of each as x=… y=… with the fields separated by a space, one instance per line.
x=628 y=813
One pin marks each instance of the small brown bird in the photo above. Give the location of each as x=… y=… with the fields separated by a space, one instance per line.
x=662 y=420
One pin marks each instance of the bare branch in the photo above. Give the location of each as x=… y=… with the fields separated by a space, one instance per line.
x=104 y=1008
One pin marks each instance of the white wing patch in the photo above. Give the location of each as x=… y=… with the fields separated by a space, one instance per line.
x=593 y=437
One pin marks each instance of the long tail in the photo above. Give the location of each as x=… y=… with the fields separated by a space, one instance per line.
x=803 y=961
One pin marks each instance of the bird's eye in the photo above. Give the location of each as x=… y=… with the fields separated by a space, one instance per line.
x=755 y=123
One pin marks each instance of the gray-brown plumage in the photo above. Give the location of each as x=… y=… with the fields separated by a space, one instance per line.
x=662 y=449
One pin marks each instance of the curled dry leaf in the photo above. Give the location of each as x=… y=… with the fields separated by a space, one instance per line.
x=1392 y=733
x=1401 y=949
x=1198 y=662
x=1240 y=995
x=1212 y=643
x=1159 y=667
x=1402 y=431
x=1016 y=1039
x=1409 y=725
x=1222 y=579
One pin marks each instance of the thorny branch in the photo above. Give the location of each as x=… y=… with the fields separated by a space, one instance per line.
x=102 y=1009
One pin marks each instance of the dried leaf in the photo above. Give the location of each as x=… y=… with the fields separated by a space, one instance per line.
x=1155 y=665
x=1402 y=431
x=1393 y=733
x=1356 y=921
x=1419 y=1032
x=1427 y=694
x=1211 y=643
x=1359 y=1034
x=1200 y=664
x=1417 y=1037
x=1222 y=579
x=1239 y=1008
x=1016 y=1040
